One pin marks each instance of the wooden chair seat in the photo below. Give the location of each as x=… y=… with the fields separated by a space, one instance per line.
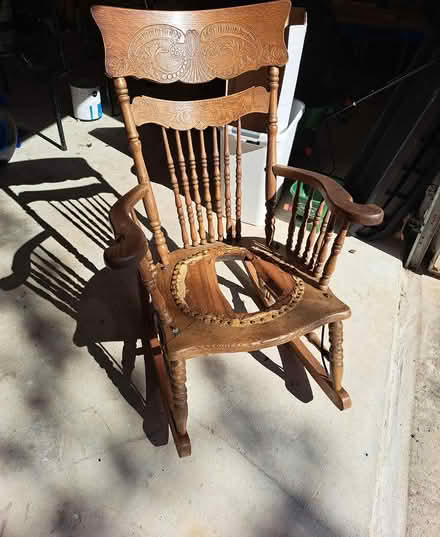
x=191 y=332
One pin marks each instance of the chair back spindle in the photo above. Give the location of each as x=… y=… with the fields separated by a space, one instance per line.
x=318 y=244
x=227 y=177
x=175 y=187
x=217 y=184
x=313 y=234
x=271 y=157
x=302 y=229
x=324 y=250
x=238 y=176
x=185 y=184
x=330 y=265
x=206 y=192
x=292 y=222
x=195 y=185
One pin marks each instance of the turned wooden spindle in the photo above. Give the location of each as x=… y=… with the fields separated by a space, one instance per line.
x=330 y=266
x=336 y=354
x=135 y=146
x=147 y=272
x=303 y=228
x=227 y=175
x=292 y=223
x=177 y=369
x=175 y=187
x=238 y=176
x=206 y=191
x=271 y=157
x=324 y=251
x=187 y=193
x=195 y=185
x=313 y=232
x=217 y=185
x=318 y=243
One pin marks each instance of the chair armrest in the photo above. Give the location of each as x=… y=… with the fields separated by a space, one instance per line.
x=337 y=198
x=131 y=244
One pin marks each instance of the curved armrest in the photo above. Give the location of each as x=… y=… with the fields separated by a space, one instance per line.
x=337 y=198
x=131 y=244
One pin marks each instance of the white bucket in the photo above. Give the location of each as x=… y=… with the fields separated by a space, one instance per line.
x=86 y=103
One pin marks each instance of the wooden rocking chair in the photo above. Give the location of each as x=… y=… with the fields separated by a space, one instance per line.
x=191 y=315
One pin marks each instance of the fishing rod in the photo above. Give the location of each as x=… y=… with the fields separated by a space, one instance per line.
x=390 y=84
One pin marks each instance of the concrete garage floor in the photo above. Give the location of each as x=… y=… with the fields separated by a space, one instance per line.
x=267 y=461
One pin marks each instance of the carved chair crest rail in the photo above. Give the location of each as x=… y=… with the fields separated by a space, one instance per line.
x=191 y=315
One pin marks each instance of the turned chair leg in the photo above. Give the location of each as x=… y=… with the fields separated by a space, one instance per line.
x=178 y=385
x=336 y=354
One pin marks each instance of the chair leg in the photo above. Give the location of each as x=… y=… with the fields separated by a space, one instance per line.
x=177 y=370
x=56 y=108
x=336 y=354
x=339 y=398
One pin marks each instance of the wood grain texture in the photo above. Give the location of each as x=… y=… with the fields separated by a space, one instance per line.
x=175 y=187
x=187 y=193
x=292 y=221
x=206 y=192
x=325 y=248
x=192 y=46
x=271 y=158
x=238 y=178
x=336 y=354
x=195 y=186
x=311 y=239
x=303 y=227
x=217 y=184
x=339 y=398
x=185 y=115
x=320 y=240
x=183 y=444
x=177 y=371
x=140 y=167
x=330 y=266
x=195 y=338
x=227 y=178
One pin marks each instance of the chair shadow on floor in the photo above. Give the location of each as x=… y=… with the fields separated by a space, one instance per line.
x=107 y=307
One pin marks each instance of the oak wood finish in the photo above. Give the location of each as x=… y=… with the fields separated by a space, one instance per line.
x=185 y=184
x=185 y=115
x=192 y=46
x=227 y=176
x=195 y=185
x=191 y=315
x=272 y=128
x=183 y=444
x=175 y=187
x=206 y=192
x=217 y=184
x=141 y=169
x=292 y=222
x=302 y=229
x=238 y=176
x=311 y=239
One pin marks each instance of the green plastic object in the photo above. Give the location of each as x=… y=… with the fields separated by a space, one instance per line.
x=316 y=200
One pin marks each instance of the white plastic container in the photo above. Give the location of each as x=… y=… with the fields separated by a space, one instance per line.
x=254 y=143
x=253 y=162
x=86 y=102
